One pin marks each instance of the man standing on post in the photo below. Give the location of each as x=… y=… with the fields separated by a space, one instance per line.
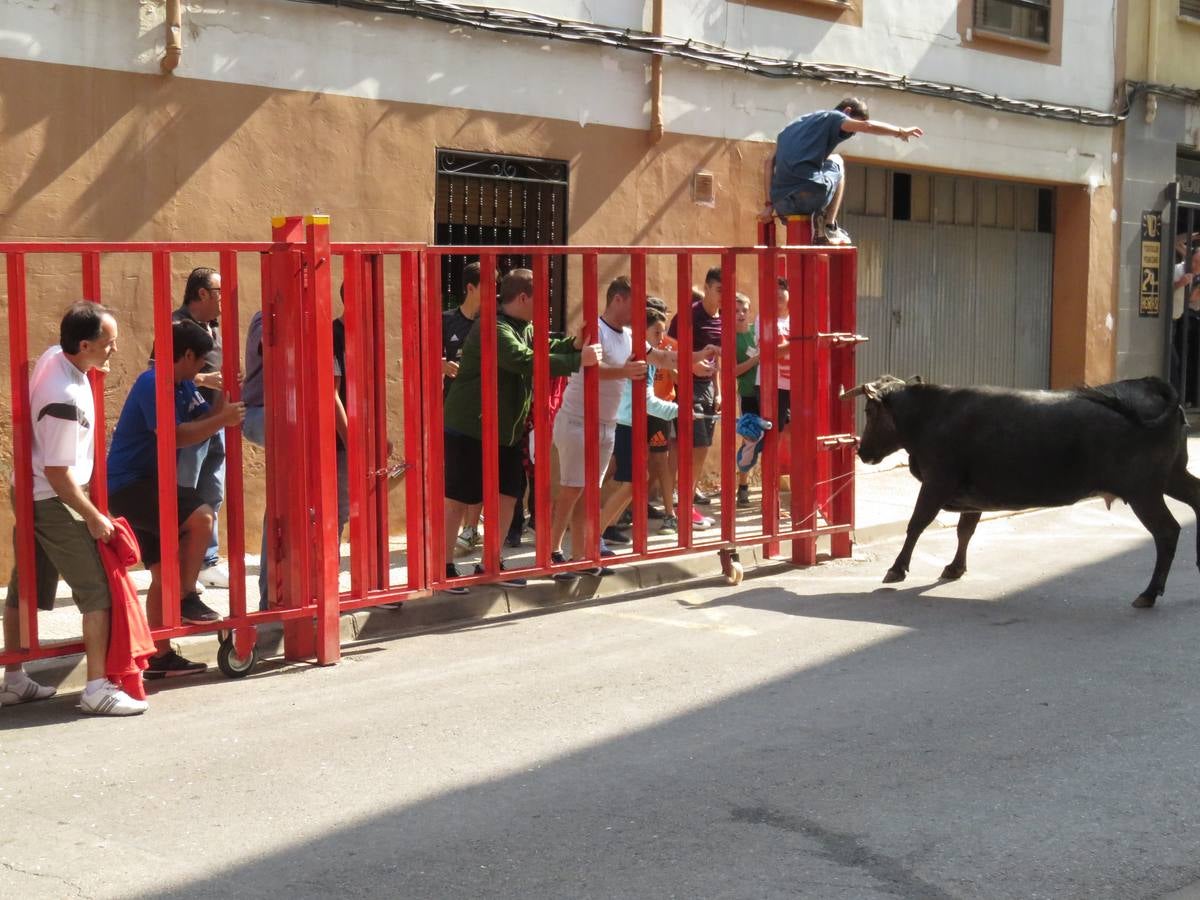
x=66 y=524
x=202 y=466
x=805 y=177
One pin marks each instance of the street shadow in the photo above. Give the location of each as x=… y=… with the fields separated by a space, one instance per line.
x=867 y=774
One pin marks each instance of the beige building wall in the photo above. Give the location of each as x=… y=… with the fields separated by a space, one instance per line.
x=91 y=154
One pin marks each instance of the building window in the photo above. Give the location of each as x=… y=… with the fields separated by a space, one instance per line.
x=485 y=199
x=1190 y=9
x=843 y=12
x=1027 y=20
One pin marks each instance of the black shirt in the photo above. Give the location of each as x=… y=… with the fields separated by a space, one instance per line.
x=455 y=328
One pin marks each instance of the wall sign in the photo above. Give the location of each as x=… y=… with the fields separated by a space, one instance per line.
x=1149 y=293
x=1188 y=175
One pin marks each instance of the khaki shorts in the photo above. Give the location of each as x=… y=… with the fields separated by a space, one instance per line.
x=569 y=442
x=64 y=548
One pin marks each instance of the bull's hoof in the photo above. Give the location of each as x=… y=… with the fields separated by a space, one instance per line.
x=894 y=575
x=1145 y=601
x=953 y=572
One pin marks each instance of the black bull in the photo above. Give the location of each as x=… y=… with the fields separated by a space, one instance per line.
x=982 y=448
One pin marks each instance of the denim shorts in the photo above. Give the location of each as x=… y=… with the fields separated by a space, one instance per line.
x=815 y=193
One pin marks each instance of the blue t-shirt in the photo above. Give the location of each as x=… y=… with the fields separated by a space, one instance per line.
x=802 y=147
x=132 y=452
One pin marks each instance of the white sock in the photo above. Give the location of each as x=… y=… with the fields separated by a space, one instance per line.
x=17 y=677
x=94 y=685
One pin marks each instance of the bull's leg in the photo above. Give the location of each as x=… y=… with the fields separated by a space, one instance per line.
x=1184 y=486
x=1153 y=513
x=929 y=501
x=966 y=527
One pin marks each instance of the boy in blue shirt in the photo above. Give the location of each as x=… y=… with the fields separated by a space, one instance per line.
x=133 y=482
x=805 y=177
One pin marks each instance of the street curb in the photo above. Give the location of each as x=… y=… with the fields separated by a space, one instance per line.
x=484 y=603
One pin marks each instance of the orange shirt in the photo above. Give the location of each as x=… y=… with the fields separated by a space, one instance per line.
x=664 y=379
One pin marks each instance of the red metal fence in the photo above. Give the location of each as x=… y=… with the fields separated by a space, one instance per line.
x=303 y=544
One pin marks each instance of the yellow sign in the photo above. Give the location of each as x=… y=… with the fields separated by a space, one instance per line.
x=1149 y=291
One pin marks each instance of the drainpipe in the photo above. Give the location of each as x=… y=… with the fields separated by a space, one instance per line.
x=174 y=48
x=656 y=78
x=1152 y=61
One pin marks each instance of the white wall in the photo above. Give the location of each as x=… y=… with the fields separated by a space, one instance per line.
x=303 y=47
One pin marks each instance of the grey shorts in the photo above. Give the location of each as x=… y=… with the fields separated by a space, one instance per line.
x=63 y=547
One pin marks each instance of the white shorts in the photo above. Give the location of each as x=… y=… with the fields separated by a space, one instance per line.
x=569 y=442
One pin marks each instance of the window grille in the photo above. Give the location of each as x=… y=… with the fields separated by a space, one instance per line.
x=503 y=200
x=1190 y=8
x=1025 y=19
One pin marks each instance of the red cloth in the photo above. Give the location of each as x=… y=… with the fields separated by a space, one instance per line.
x=130 y=644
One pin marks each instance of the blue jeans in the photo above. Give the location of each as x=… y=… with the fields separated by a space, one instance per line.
x=254 y=430
x=815 y=193
x=202 y=466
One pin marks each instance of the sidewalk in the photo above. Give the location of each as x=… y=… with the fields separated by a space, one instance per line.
x=884 y=498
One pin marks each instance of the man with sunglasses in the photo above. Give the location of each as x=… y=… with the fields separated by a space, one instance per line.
x=202 y=466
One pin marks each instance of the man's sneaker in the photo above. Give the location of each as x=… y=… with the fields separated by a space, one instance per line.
x=626 y=519
x=614 y=535
x=701 y=499
x=504 y=581
x=172 y=665
x=743 y=496
x=215 y=576
x=110 y=700
x=513 y=538
x=605 y=550
x=818 y=228
x=701 y=521
x=467 y=541
x=836 y=236
x=452 y=572
x=20 y=688
x=654 y=512
x=193 y=611
x=670 y=525
x=558 y=559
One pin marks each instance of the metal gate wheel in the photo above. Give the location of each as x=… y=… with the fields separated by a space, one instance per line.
x=231 y=664
x=731 y=566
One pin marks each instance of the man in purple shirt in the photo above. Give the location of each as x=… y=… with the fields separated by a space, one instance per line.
x=706 y=389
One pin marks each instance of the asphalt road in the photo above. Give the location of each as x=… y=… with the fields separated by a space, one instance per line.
x=1022 y=733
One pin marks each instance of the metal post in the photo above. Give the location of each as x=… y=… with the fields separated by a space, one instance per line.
x=639 y=499
x=590 y=539
x=493 y=528
x=542 y=436
x=164 y=408
x=684 y=389
x=768 y=359
x=18 y=362
x=728 y=383
x=235 y=519
x=418 y=531
x=845 y=295
x=319 y=412
x=98 y=489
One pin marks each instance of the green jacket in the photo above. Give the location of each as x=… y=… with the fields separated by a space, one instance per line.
x=513 y=380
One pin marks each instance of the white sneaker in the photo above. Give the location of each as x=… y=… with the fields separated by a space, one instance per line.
x=468 y=540
x=836 y=236
x=215 y=576
x=110 y=700
x=23 y=689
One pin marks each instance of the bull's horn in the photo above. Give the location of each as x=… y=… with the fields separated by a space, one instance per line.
x=854 y=391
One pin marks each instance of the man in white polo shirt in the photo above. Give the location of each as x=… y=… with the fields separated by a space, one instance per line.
x=66 y=524
x=616 y=340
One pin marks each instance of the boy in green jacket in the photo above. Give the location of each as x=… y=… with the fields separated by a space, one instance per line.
x=513 y=382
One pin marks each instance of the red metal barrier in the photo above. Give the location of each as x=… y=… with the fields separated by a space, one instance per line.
x=821 y=457
x=90 y=255
x=303 y=544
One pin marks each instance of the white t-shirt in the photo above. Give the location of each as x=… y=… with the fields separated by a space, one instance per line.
x=64 y=416
x=783 y=356
x=617 y=346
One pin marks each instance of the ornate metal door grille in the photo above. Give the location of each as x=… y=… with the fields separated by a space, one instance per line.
x=503 y=200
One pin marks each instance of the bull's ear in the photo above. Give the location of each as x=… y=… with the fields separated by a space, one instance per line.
x=871 y=389
x=916 y=379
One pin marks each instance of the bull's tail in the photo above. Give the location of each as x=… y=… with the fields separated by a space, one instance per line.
x=1146 y=402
